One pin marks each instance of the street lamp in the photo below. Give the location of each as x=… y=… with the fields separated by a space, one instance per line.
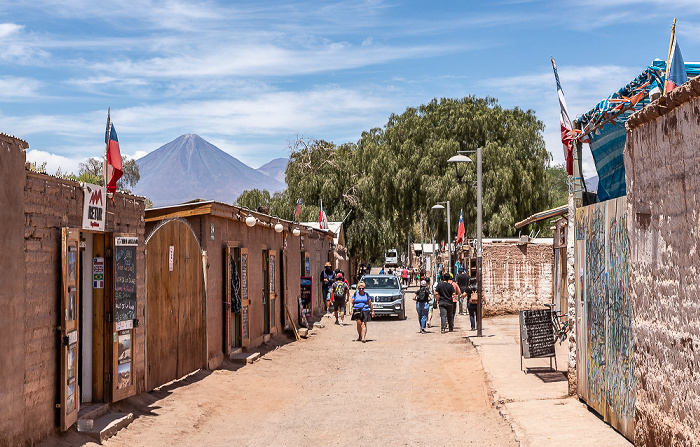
x=449 y=234
x=460 y=158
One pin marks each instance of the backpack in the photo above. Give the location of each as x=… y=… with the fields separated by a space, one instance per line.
x=423 y=295
x=339 y=290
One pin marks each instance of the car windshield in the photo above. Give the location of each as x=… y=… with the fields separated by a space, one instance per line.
x=387 y=282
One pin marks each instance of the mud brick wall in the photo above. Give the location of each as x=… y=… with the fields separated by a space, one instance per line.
x=516 y=277
x=662 y=162
x=12 y=303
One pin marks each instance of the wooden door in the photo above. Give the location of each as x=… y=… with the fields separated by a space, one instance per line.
x=176 y=329
x=266 y=291
x=70 y=302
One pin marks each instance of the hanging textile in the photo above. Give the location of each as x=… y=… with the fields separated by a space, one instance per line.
x=235 y=287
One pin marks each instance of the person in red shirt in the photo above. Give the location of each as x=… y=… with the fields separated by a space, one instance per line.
x=404 y=276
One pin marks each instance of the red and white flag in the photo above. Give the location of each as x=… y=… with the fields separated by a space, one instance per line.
x=322 y=219
x=565 y=124
x=113 y=157
x=460 y=229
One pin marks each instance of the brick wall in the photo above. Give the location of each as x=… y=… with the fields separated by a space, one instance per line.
x=516 y=277
x=662 y=163
x=12 y=305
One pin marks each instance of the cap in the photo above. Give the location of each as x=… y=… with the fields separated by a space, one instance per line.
x=328 y=264
x=339 y=276
x=423 y=283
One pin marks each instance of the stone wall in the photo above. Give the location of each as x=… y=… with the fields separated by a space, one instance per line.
x=662 y=162
x=516 y=276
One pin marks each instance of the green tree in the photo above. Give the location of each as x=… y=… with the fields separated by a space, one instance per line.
x=91 y=171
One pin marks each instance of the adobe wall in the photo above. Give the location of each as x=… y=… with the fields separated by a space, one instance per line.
x=50 y=204
x=12 y=303
x=516 y=277
x=253 y=239
x=662 y=163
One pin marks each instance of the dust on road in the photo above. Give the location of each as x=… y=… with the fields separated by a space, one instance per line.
x=400 y=388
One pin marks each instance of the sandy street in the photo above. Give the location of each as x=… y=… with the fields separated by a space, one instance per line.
x=399 y=388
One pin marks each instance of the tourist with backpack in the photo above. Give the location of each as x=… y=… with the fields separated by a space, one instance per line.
x=339 y=296
x=422 y=299
x=362 y=310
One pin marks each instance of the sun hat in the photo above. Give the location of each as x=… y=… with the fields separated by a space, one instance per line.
x=339 y=276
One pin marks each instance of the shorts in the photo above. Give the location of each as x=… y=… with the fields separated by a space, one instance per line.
x=339 y=305
x=365 y=316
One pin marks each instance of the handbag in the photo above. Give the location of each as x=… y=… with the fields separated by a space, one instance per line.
x=356 y=314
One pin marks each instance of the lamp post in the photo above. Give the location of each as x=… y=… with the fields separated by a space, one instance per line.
x=479 y=290
x=439 y=206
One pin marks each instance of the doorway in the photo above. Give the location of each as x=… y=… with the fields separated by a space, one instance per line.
x=266 y=290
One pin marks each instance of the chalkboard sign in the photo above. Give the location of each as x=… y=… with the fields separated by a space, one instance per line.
x=125 y=278
x=536 y=333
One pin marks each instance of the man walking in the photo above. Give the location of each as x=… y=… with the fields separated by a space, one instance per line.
x=327 y=278
x=443 y=293
x=339 y=296
x=463 y=284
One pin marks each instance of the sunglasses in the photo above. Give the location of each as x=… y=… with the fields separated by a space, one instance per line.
x=360 y=288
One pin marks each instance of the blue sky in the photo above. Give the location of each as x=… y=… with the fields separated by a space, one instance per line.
x=251 y=76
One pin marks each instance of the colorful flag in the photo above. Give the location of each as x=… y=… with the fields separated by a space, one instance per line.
x=565 y=124
x=676 y=67
x=297 y=213
x=460 y=229
x=114 y=158
x=322 y=220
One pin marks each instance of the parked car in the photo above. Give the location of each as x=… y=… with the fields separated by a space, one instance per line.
x=387 y=295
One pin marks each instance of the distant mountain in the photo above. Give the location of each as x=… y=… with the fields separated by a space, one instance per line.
x=190 y=167
x=275 y=169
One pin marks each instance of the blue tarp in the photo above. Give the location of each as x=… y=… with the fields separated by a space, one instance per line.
x=608 y=142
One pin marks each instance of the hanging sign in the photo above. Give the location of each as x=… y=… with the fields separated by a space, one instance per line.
x=98 y=273
x=94 y=207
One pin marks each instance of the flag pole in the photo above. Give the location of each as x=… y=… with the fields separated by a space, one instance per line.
x=670 y=47
x=104 y=157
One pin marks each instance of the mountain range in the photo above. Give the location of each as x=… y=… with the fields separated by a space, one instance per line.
x=189 y=167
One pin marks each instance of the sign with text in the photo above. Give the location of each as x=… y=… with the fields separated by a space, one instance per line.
x=98 y=273
x=125 y=278
x=536 y=333
x=94 y=207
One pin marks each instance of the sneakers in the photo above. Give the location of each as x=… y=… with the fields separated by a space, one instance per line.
x=337 y=322
x=423 y=331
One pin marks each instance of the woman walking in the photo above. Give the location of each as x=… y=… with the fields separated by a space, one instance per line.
x=362 y=310
x=422 y=299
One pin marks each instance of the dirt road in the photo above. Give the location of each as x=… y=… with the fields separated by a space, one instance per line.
x=400 y=388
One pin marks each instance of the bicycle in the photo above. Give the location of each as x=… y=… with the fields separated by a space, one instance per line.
x=561 y=330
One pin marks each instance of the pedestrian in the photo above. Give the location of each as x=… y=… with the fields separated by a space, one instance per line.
x=473 y=301
x=455 y=296
x=362 y=310
x=422 y=299
x=381 y=272
x=404 y=276
x=443 y=293
x=463 y=283
x=339 y=296
x=327 y=278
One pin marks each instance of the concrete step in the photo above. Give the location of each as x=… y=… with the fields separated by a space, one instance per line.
x=105 y=426
x=244 y=357
x=92 y=411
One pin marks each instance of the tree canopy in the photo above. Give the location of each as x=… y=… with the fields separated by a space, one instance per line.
x=394 y=175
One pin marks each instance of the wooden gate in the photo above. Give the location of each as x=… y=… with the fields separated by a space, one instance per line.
x=175 y=307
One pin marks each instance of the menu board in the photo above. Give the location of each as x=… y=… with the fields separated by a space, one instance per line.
x=125 y=278
x=536 y=333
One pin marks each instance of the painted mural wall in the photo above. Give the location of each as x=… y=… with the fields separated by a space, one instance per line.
x=606 y=354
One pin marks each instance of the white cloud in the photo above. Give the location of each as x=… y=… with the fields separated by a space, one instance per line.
x=15 y=89
x=54 y=162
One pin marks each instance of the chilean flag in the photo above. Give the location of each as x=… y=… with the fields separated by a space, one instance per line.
x=676 y=72
x=114 y=159
x=565 y=124
x=460 y=228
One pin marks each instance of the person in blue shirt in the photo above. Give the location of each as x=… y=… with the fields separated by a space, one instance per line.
x=362 y=310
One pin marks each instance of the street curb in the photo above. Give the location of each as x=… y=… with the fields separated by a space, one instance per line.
x=496 y=401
